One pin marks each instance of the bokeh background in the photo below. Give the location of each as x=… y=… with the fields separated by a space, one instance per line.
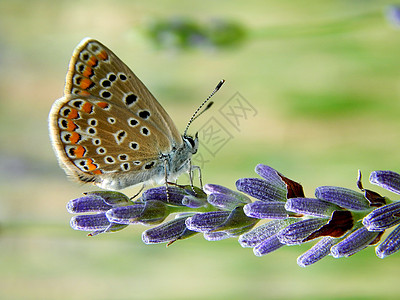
x=322 y=76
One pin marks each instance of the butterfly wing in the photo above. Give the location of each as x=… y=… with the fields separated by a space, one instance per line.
x=108 y=128
x=95 y=70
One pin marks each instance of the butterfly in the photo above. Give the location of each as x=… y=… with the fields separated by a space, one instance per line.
x=109 y=130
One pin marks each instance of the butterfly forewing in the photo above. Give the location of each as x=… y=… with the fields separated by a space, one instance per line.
x=95 y=70
x=108 y=128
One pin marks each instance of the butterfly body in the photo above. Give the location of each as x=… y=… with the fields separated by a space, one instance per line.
x=109 y=129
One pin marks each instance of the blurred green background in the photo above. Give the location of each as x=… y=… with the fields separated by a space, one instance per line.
x=323 y=77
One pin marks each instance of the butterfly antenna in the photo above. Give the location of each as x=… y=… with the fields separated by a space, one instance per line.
x=198 y=111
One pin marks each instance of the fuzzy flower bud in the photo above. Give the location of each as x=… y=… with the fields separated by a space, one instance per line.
x=343 y=197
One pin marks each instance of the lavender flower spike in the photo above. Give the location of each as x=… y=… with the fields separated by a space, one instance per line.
x=317 y=252
x=383 y=217
x=387 y=179
x=390 y=245
x=355 y=242
x=343 y=197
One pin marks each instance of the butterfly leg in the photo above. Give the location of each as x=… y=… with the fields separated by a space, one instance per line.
x=138 y=193
x=166 y=179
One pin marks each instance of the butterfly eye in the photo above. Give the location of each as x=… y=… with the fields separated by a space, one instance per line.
x=193 y=143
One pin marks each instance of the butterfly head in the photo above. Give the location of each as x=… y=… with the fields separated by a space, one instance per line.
x=191 y=143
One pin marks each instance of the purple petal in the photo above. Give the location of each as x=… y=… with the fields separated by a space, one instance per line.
x=266 y=210
x=355 y=242
x=317 y=252
x=390 y=245
x=223 y=201
x=166 y=232
x=150 y=212
x=270 y=175
x=261 y=189
x=90 y=222
x=262 y=232
x=90 y=203
x=311 y=207
x=210 y=189
x=383 y=217
x=294 y=234
x=268 y=245
x=205 y=222
x=343 y=197
x=387 y=179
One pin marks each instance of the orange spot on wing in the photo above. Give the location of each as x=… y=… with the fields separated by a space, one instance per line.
x=92 y=61
x=79 y=151
x=87 y=72
x=85 y=83
x=97 y=172
x=71 y=125
x=102 y=104
x=90 y=164
x=87 y=107
x=75 y=137
x=102 y=55
x=73 y=114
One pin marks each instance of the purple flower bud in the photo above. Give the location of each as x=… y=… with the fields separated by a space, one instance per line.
x=176 y=195
x=213 y=189
x=355 y=242
x=97 y=223
x=232 y=222
x=206 y=222
x=167 y=232
x=264 y=231
x=317 y=252
x=90 y=222
x=148 y=213
x=383 y=217
x=311 y=207
x=343 y=197
x=261 y=189
x=266 y=210
x=387 y=179
x=296 y=233
x=390 y=245
x=268 y=245
x=85 y=204
x=270 y=175
x=99 y=201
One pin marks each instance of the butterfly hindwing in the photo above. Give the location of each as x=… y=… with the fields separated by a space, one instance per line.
x=85 y=132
